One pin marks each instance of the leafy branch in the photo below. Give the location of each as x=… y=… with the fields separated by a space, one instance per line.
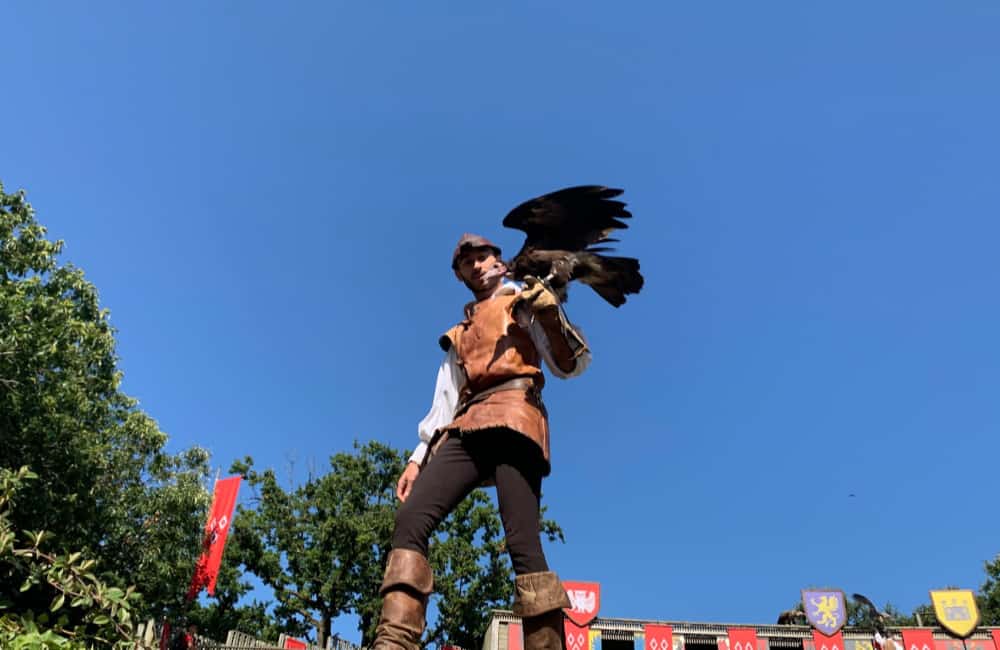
x=103 y=615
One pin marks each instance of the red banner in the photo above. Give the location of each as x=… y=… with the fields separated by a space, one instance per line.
x=979 y=644
x=949 y=644
x=824 y=642
x=996 y=638
x=659 y=637
x=742 y=638
x=207 y=569
x=515 y=637
x=918 y=640
x=165 y=636
x=577 y=638
x=585 y=601
x=295 y=644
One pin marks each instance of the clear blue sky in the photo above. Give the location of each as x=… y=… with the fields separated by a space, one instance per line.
x=266 y=195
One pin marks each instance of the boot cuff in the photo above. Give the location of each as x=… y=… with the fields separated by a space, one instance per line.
x=538 y=593
x=407 y=568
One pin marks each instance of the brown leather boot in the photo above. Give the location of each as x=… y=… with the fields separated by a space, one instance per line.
x=539 y=602
x=407 y=584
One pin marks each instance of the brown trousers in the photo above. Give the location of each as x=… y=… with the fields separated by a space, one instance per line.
x=459 y=466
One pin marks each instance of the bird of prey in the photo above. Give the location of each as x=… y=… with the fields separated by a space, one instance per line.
x=875 y=610
x=792 y=617
x=566 y=235
x=880 y=619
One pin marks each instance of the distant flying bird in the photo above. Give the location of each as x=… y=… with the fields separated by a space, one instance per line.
x=565 y=232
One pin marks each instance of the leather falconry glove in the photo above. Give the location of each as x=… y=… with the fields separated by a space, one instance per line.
x=544 y=303
x=538 y=295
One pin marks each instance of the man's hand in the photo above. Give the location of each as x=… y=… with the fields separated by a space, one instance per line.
x=405 y=483
x=538 y=296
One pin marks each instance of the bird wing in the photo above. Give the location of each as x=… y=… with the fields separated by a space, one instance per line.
x=864 y=600
x=571 y=219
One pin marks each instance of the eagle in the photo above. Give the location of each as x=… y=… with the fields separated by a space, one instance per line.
x=879 y=619
x=567 y=232
x=792 y=617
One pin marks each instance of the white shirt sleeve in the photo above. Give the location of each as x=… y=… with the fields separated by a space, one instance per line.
x=450 y=380
x=541 y=342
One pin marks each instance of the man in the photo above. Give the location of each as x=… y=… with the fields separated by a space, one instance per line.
x=487 y=423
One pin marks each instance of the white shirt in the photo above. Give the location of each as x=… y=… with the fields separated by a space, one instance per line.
x=451 y=379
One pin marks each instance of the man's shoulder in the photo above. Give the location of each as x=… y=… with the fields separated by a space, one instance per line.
x=450 y=337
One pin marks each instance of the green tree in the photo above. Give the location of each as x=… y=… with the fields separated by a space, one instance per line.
x=101 y=615
x=107 y=487
x=989 y=594
x=322 y=548
x=316 y=545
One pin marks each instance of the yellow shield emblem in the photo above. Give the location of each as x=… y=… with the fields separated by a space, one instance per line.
x=956 y=611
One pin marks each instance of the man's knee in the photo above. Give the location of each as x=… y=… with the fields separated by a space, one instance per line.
x=412 y=528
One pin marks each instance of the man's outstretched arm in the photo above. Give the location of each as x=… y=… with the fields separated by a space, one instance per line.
x=450 y=379
x=559 y=342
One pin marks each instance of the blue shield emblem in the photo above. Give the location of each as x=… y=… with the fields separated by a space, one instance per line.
x=826 y=609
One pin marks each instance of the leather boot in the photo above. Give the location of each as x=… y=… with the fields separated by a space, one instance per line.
x=407 y=584
x=539 y=601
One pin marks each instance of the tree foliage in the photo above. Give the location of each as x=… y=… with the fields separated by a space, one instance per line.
x=989 y=594
x=322 y=548
x=318 y=546
x=106 y=488
x=82 y=613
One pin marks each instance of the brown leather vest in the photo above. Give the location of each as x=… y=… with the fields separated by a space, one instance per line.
x=492 y=348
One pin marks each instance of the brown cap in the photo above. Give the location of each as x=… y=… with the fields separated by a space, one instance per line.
x=468 y=240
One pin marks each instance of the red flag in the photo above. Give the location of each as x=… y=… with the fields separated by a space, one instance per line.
x=981 y=644
x=950 y=644
x=659 y=637
x=207 y=569
x=742 y=638
x=295 y=644
x=577 y=638
x=822 y=641
x=918 y=639
x=515 y=638
x=165 y=636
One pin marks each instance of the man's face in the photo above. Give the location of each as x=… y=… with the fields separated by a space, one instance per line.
x=477 y=269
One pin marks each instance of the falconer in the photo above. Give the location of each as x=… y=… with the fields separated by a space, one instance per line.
x=487 y=423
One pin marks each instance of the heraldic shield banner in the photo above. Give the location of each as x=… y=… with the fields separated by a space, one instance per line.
x=585 y=601
x=825 y=609
x=956 y=611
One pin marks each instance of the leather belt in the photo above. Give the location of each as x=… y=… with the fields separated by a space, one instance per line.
x=517 y=383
